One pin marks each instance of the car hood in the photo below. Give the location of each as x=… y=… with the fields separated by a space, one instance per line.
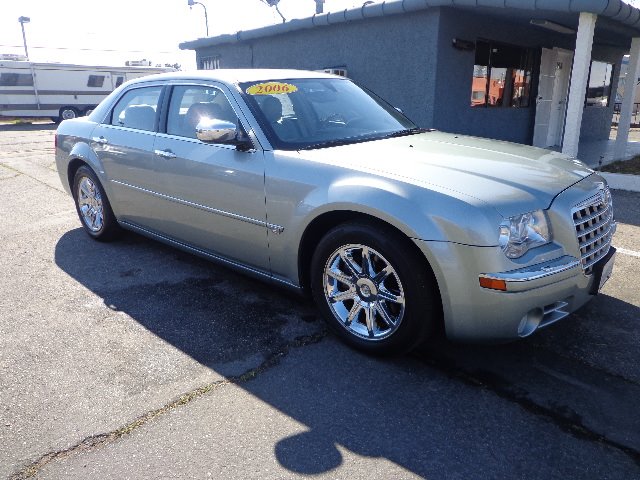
x=512 y=178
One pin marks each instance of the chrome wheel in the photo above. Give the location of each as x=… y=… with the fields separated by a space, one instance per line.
x=90 y=204
x=364 y=292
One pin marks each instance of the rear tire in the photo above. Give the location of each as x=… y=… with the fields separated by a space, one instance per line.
x=375 y=292
x=93 y=207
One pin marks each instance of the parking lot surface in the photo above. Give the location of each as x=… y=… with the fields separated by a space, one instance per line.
x=135 y=360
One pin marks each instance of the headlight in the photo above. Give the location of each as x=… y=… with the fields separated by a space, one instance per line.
x=521 y=233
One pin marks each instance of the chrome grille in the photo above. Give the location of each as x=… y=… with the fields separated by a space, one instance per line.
x=593 y=220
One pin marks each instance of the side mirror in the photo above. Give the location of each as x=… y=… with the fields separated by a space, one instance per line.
x=213 y=130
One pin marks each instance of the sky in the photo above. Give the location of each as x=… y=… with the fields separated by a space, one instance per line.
x=110 y=32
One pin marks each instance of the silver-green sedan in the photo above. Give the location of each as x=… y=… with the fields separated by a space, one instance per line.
x=314 y=183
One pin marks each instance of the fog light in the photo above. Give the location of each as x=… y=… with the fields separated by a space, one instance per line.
x=530 y=322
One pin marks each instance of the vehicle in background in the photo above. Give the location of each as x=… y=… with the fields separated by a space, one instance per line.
x=60 y=91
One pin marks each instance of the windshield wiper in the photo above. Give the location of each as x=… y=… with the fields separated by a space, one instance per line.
x=334 y=143
x=368 y=138
x=407 y=131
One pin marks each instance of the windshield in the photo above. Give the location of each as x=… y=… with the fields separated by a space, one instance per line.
x=315 y=113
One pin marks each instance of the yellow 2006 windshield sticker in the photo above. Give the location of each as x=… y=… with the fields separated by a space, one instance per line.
x=271 y=88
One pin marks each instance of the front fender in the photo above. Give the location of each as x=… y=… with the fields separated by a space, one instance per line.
x=420 y=212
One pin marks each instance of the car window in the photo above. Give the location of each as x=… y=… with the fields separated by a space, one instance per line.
x=137 y=109
x=191 y=104
x=312 y=113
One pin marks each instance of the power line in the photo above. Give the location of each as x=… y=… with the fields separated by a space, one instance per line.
x=91 y=49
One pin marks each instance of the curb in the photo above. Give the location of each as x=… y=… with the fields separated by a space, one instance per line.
x=622 y=181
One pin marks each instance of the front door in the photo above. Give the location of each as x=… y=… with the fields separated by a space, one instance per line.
x=553 y=90
x=213 y=195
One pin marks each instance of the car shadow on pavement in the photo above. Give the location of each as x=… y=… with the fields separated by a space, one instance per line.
x=432 y=413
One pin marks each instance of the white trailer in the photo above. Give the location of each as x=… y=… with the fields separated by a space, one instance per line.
x=59 y=91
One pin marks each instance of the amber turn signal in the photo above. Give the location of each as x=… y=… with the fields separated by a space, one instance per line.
x=493 y=284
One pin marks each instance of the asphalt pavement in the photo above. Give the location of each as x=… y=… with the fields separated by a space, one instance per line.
x=134 y=360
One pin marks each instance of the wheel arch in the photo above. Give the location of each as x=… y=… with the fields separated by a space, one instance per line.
x=324 y=222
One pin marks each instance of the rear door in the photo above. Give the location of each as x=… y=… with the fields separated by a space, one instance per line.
x=124 y=144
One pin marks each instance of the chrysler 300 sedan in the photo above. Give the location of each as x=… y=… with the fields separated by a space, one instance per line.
x=309 y=181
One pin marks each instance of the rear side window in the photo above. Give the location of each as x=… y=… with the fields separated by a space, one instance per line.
x=119 y=81
x=137 y=109
x=16 y=80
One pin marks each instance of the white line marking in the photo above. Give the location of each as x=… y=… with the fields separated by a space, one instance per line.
x=628 y=252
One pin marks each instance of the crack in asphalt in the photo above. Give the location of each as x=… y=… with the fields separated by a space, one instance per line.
x=96 y=441
x=592 y=366
x=8 y=167
x=499 y=386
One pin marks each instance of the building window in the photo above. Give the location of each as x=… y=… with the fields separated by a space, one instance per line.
x=95 y=81
x=210 y=63
x=16 y=80
x=501 y=75
x=599 y=86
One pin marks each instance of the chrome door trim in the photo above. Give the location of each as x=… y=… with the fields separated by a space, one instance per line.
x=277 y=229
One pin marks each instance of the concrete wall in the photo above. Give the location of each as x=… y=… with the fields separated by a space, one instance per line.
x=394 y=56
x=453 y=112
x=409 y=60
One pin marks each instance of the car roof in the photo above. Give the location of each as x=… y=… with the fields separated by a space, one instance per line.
x=235 y=76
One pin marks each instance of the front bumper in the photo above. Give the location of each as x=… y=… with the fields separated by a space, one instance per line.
x=535 y=296
x=536 y=276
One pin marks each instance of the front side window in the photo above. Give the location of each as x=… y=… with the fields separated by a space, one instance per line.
x=319 y=112
x=16 y=80
x=95 y=81
x=190 y=105
x=137 y=109
x=599 y=86
x=501 y=75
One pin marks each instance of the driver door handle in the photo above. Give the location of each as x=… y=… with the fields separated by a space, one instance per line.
x=165 y=153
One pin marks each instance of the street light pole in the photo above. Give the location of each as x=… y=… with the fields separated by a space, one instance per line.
x=191 y=3
x=22 y=21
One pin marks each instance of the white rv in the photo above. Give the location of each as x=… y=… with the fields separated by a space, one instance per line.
x=60 y=91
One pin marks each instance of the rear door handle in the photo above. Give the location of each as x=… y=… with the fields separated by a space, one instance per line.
x=165 y=153
x=100 y=140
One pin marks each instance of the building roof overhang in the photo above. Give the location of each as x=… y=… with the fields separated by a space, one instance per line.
x=619 y=21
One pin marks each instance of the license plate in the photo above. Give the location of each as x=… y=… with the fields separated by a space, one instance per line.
x=607 y=269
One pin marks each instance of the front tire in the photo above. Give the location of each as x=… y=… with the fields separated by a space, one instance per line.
x=93 y=206
x=375 y=292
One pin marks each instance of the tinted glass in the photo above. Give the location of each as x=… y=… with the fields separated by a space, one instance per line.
x=16 y=80
x=312 y=113
x=95 y=81
x=501 y=75
x=137 y=109
x=599 y=88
